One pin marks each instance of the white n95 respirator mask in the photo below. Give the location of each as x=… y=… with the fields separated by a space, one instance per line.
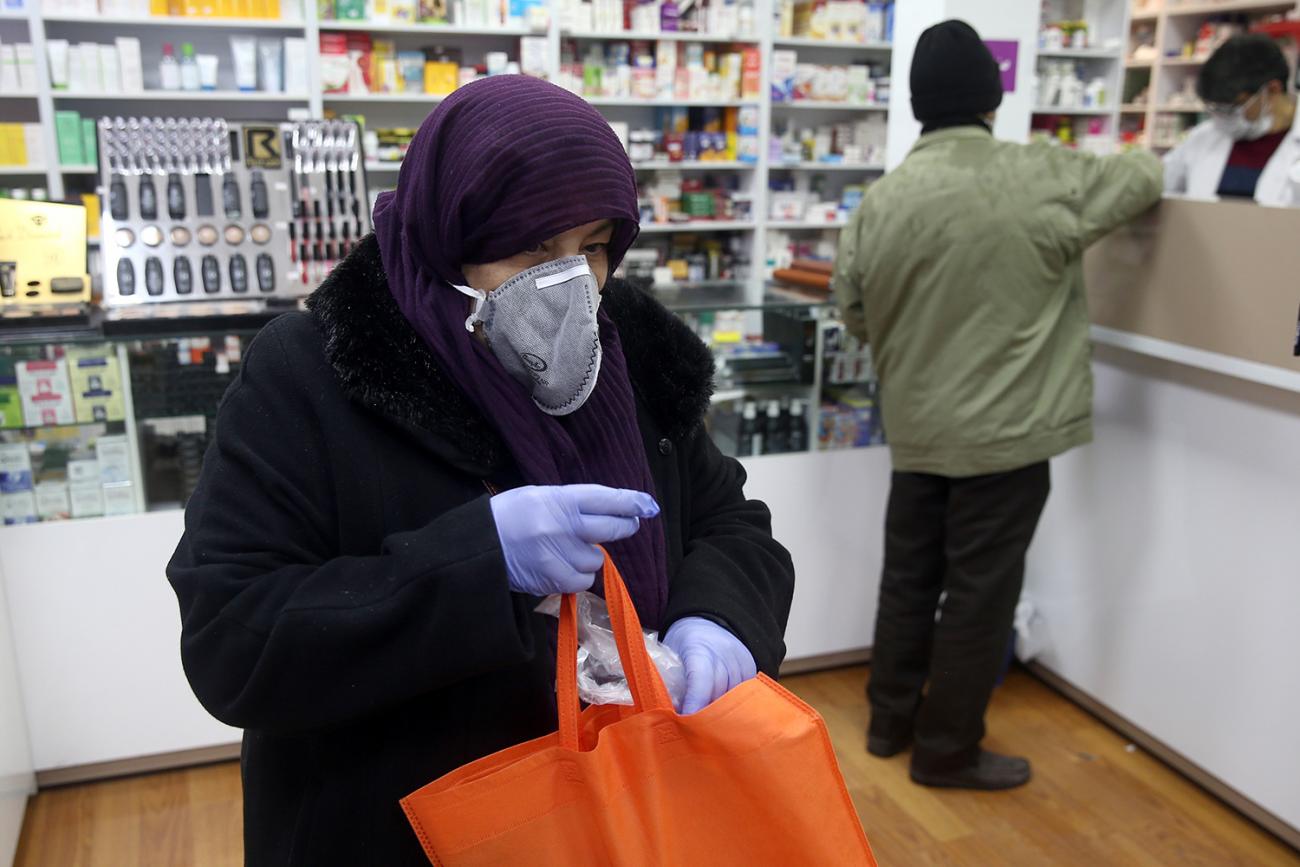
x=541 y=325
x=1238 y=127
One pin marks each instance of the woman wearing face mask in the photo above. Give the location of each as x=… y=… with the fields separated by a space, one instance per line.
x=470 y=407
x=1250 y=146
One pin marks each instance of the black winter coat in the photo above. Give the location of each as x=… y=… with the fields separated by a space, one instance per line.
x=341 y=583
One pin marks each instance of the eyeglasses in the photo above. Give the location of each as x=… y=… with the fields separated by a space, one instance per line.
x=1228 y=109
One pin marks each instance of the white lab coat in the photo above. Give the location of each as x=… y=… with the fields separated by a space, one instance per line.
x=1195 y=167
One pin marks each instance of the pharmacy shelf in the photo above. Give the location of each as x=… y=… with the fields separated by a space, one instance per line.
x=1079 y=112
x=694 y=165
x=1185 y=62
x=833 y=44
x=1145 y=15
x=696 y=226
x=1194 y=9
x=610 y=102
x=1139 y=64
x=643 y=35
x=1133 y=109
x=13 y=14
x=399 y=27
x=19 y=171
x=1180 y=109
x=823 y=105
x=19 y=94
x=408 y=98
x=865 y=168
x=806 y=224
x=1081 y=53
x=79 y=170
x=182 y=96
x=177 y=21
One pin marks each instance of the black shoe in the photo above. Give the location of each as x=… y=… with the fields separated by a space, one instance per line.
x=988 y=772
x=886 y=748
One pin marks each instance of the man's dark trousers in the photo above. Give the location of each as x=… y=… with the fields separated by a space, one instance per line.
x=965 y=538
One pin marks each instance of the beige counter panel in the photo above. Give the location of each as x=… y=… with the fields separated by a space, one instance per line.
x=1217 y=276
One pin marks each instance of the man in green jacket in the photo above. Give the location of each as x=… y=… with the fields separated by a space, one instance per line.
x=963 y=269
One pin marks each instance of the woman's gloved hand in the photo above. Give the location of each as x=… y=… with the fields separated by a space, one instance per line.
x=715 y=660
x=549 y=533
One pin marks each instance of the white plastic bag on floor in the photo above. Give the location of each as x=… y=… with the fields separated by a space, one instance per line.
x=600 y=674
x=1030 y=634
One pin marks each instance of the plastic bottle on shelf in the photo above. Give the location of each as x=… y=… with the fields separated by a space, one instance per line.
x=775 y=439
x=189 y=68
x=749 y=441
x=169 y=71
x=798 y=440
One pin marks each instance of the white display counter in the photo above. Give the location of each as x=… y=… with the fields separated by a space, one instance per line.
x=16 y=779
x=1167 y=574
x=97 y=626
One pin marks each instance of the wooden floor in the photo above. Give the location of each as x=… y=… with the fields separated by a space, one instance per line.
x=1092 y=803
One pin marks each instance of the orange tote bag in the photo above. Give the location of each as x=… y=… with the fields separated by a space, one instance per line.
x=749 y=780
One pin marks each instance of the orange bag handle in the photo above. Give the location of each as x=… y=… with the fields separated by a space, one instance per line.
x=648 y=690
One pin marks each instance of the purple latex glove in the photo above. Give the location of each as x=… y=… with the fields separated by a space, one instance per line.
x=715 y=660
x=549 y=533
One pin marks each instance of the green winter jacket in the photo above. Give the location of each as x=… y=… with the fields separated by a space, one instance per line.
x=963 y=270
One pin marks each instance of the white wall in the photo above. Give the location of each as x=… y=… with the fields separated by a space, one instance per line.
x=97 y=632
x=994 y=19
x=16 y=780
x=829 y=510
x=1167 y=568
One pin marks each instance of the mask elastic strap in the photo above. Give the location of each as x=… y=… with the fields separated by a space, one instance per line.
x=480 y=298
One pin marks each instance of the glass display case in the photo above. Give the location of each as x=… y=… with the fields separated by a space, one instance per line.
x=114 y=417
x=95 y=424
x=788 y=376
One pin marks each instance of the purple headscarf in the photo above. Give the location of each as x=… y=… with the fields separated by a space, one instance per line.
x=500 y=166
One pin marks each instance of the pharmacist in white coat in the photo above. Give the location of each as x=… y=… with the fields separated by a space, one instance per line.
x=1250 y=146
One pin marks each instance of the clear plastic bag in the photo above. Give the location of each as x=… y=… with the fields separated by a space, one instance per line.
x=600 y=674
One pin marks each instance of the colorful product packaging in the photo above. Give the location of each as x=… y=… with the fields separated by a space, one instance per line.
x=45 y=392
x=96 y=381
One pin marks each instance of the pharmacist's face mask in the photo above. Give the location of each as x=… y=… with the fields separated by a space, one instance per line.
x=1233 y=120
x=541 y=325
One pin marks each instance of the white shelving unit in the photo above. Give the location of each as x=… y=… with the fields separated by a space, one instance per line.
x=864 y=168
x=802 y=225
x=1102 y=111
x=635 y=36
x=607 y=102
x=831 y=44
x=822 y=105
x=375 y=98
x=695 y=165
x=284 y=25
x=409 y=109
x=1081 y=54
x=398 y=27
x=1102 y=59
x=181 y=96
x=697 y=226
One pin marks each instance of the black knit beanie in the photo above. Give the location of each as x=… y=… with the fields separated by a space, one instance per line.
x=954 y=75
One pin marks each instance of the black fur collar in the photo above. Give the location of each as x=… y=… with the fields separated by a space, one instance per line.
x=382 y=363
